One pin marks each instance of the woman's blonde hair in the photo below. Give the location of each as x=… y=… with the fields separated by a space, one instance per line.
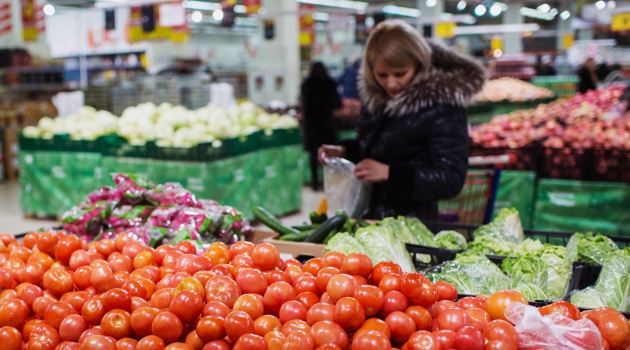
x=397 y=44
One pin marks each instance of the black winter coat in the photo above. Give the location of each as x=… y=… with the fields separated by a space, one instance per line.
x=319 y=99
x=422 y=134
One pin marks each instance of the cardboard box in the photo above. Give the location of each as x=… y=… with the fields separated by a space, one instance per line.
x=258 y=236
x=290 y=250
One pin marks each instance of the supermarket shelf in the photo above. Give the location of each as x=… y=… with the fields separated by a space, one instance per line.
x=33 y=87
x=31 y=70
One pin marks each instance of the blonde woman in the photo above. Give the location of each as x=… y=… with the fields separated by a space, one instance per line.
x=412 y=139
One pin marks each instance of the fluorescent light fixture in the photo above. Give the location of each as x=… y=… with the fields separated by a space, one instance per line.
x=201 y=5
x=496 y=29
x=369 y=21
x=503 y=6
x=196 y=16
x=565 y=15
x=217 y=15
x=533 y=13
x=495 y=10
x=480 y=10
x=262 y=11
x=612 y=4
x=497 y=53
x=240 y=9
x=446 y=17
x=544 y=8
x=461 y=5
x=321 y=16
x=345 y=4
x=401 y=11
x=600 y=5
x=49 y=10
x=553 y=12
x=431 y=3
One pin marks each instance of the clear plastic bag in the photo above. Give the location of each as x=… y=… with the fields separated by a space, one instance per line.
x=343 y=189
x=552 y=332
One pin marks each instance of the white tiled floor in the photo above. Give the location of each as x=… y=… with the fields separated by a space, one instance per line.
x=12 y=219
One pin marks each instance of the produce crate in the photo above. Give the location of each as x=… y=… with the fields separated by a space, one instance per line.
x=269 y=139
x=609 y=165
x=289 y=137
x=566 y=163
x=64 y=143
x=176 y=153
x=32 y=144
x=237 y=146
x=289 y=249
x=116 y=146
x=481 y=107
x=527 y=158
x=209 y=151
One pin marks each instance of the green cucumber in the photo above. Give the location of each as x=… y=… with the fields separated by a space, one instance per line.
x=320 y=234
x=296 y=237
x=317 y=219
x=306 y=227
x=272 y=222
x=363 y=223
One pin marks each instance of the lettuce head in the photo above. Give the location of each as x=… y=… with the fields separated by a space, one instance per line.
x=452 y=240
x=381 y=244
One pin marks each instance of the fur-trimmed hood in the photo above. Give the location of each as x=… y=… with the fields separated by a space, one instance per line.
x=452 y=79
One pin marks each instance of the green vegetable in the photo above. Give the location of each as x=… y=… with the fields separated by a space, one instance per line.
x=613 y=284
x=505 y=227
x=400 y=229
x=473 y=273
x=587 y=298
x=531 y=292
x=590 y=248
x=334 y=223
x=452 y=240
x=296 y=237
x=559 y=270
x=272 y=222
x=423 y=235
x=490 y=245
x=330 y=236
x=343 y=242
x=530 y=246
x=362 y=223
x=306 y=227
x=526 y=269
x=381 y=244
x=318 y=219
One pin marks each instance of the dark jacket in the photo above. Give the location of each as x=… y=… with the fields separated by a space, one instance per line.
x=348 y=81
x=586 y=80
x=422 y=134
x=319 y=99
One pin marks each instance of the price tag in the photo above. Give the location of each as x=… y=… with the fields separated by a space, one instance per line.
x=445 y=29
x=620 y=22
x=496 y=43
x=567 y=41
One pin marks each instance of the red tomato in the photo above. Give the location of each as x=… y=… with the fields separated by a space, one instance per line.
x=266 y=323
x=298 y=340
x=238 y=323
x=142 y=320
x=93 y=311
x=102 y=279
x=446 y=291
x=383 y=268
x=65 y=247
x=500 y=335
x=100 y=342
x=251 y=281
x=371 y=340
x=215 y=308
x=313 y=266
x=374 y=324
x=324 y=275
x=168 y=326
x=241 y=247
x=370 y=297
x=162 y=298
x=419 y=290
x=349 y=314
x=117 y=298
x=126 y=344
x=250 y=303
x=390 y=282
x=327 y=332
x=116 y=324
x=278 y=294
x=211 y=328
x=357 y=264
x=58 y=281
x=401 y=325
x=151 y=342
x=446 y=338
x=15 y=311
x=223 y=289
x=10 y=338
x=320 y=312
x=613 y=326
x=423 y=340
x=420 y=316
x=499 y=301
x=305 y=282
x=250 y=342
x=452 y=319
x=265 y=256
x=394 y=301
x=341 y=286
x=477 y=318
x=470 y=302
x=186 y=305
x=292 y=310
x=333 y=259
x=295 y=325
x=72 y=327
x=469 y=338
x=216 y=345
x=562 y=308
x=307 y=299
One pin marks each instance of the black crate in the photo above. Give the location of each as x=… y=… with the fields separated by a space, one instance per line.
x=566 y=163
x=609 y=165
x=176 y=153
x=237 y=146
x=211 y=151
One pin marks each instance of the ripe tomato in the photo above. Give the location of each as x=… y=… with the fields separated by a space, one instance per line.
x=105 y=247
x=100 y=342
x=47 y=243
x=469 y=338
x=500 y=335
x=145 y=259
x=341 y=286
x=446 y=291
x=324 y=275
x=327 y=332
x=275 y=340
x=276 y=275
x=31 y=273
x=216 y=345
x=116 y=324
x=215 y=308
x=390 y=282
x=187 y=247
x=265 y=324
x=120 y=262
x=29 y=294
x=211 y=328
x=563 y=308
x=250 y=303
x=223 y=289
x=126 y=344
x=499 y=301
x=58 y=281
x=65 y=247
x=298 y=340
x=238 y=323
x=6 y=280
x=419 y=290
x=168 y=326
x=193 y=340
x=186 y=305
x=293 y=271
x=142 y=320
x=295 y=325
x=93 y=311
x=265 y=256
x=477 y=318
x=132 y=249
x=102 y=279
x=13 y=312
x=10 y=338
x=612 y=325
x=278 y=294
x=383 y=268
x=117 y=298
x=371 y=340
x=292 y=310
x=401 y=325
x=162 y=298
x=251 y=281
x=374 y=324
x=45 y=337
x=241 y=247
x=151 y=342
x=334 y=259
x=81 y=277
x=357 y=264
x=307 y=299
x=470 y=302
x=452 y=319
x=72 y=327
x=420 y=316
x=446 y=338
x=313 y=266
x=349 y=314
x=394 y=301
x=250 y=342
x=423 y=340
x=320 y=312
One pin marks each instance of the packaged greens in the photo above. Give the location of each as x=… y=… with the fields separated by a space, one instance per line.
x=381 y=244
x=559 y=270
x=587 y=298
x=490 y=245
x=473 y=273
x=505 y=227
x=526 y=269
x=613 y=284
x=531 y=292
x=590 y=248
x=423 y=235
x=400 y=230
x=452 y=240
x=343 y=242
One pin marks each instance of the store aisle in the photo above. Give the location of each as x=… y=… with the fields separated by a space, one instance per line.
x=12 y=219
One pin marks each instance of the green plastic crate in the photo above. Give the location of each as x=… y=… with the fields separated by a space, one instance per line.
x=289 y=137
x=35 y=144
x=211 y=151
x=269 y=139
x=64 y=143
x=237 y=146
x=176 y=153
x=116 y=146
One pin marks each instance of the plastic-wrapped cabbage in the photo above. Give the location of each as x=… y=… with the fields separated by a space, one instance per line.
x=530 y=246
x=419 y=230
x=87 y=219
x=473 y=274
x=381 y=244
x=452 y=240
x=506 y=227
x=492 y=246
x=105 y=194
x=132 y=186
x=613 y=284
x=400 y=229
x=233 y=225
x=128 y=216
x=590 y=248
x=531 y=292
x=343 y=242
x=587 y=298
x=559 y=270
x=526 y=269
x=171 y=193
x=163 y=216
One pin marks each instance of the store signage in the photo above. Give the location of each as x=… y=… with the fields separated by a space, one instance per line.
x=445 y=29
x=6 y=19
x=620 y=22
x=360 y=29
x=253 y=6
x=138 y=32
x=29 y=22
x=496 y=43
x=567 y=41
x=307 y=25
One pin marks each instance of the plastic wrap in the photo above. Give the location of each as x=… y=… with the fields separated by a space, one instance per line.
x=505 y=227
x=132 y=187
x=613 y=284
x=531 y=292
x=587 y=298
x=170 y=194
x=526 y=269
x=128 y=216
x=590 y=248
x=233 y=225
x=343 y=190
x=473 y=274
x=86 y=219
x=163 y=216
x=552 y=332
x=452 y=240
x=196 y=220
x=105 y=194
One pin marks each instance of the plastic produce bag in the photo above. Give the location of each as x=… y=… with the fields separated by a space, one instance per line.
x=613 y=284
x=343 y=190
x=133 y=187
x=128 y=216
x=171 y=193
x=552 y=332
x=86 y=220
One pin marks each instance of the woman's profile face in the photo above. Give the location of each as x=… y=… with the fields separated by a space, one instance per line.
x=393 y=79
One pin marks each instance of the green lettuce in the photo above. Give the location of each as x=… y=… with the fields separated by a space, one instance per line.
x=452 y=240
x=559 y=270
x=613 y=284
x=590 y=248
x=473 y=273
x=526 y=269
x=506 y=227
x=492 y=246
x=423 y=235
x=530 y=246
x=343 y=242
x=531 y=292
x=381 y=244
x=587 y=298
x=400 y=229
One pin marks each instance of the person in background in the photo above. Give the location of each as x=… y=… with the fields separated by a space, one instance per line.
x=602 y=70
x=587 y=76
x=412 y=142
x=348 y=80
x=319 y=100
x=545 y=67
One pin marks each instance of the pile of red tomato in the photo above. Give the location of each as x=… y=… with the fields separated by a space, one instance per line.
x=60 y=293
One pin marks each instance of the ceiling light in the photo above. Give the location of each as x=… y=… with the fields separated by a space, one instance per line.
x=431 y=3
x=480 y=10
x=600 y=5
x=196 y=16
x=503 y=6
x=533 y=13
x=565 y=15
x=369 y=22
x=401 y=11
x=201 y=5
x=49 y=10
x=217 y=15
x=495 y=10
x=612 y=4
x=240 y=9
x=496 y=29
x=461 y=5
x=321 y=16
x=262 y=11
x=346 y=4
x=497 y=53
x=544 y=8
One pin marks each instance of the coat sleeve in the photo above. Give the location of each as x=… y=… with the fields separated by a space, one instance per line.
x=444 y=178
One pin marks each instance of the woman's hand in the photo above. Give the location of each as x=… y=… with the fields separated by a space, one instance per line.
x=330 y=151
x=371 y=171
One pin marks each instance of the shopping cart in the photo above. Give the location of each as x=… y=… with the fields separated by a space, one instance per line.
x=474 y=205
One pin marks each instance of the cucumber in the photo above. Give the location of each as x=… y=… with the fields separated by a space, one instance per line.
x=363 y=223
x=306 y=227
x=320 y=234
x=318 y=219
x=272 y=222
x=296 y=237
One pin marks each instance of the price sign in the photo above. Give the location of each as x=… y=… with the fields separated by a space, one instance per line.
x=445 y=29
x=496 y=43
x=567 y=41
x=620 y=22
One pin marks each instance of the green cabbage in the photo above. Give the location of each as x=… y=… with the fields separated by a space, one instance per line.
x=559 y=270
x=450 y=240
x=613 y=284
x=343 y=242
x=400 y=229
x=473 y=273
x=530 y=246
x=531 y=292
x=423 y=235
x=590 y=248
x=492 y=246
x=505 y=227
x=587 y=298
x=526 y=269
x=381 y=244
